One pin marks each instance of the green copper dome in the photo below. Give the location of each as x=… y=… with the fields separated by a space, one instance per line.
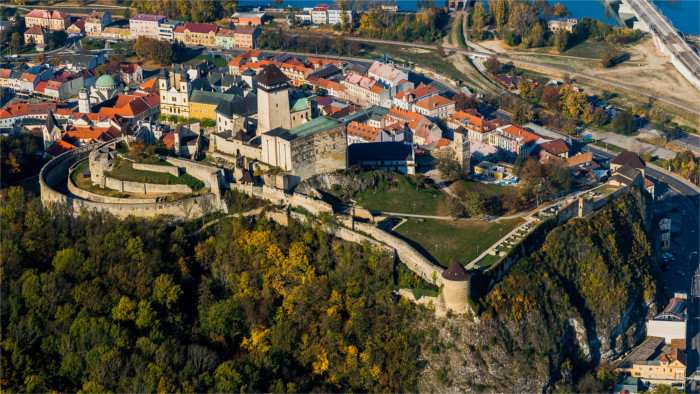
x=106 y=81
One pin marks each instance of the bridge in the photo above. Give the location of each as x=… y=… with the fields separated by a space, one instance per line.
x=666 y=38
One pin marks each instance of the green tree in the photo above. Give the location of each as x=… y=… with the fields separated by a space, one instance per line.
x=500 y=14
x=623 y=122
x=16 y=42
x=561 y=40
x=478 y=18
x=125 y=310
x=536 y=36
x=493 y=66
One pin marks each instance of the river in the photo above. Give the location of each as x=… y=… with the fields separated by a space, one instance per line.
x=684 y=14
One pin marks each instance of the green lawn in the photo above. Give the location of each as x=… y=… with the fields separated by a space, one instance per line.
x=125 y=171
x=402 y=196
x=489 y=260
x=92 y=44
x=449 y=241
x=86 y=183
x=218 y=60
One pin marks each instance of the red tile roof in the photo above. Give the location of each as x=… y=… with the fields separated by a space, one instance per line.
x=201 y=28
x=555 y=147
x=35 y=30
x=59 y=147
x=365 y=132
x=422 y=90
x=434 y=102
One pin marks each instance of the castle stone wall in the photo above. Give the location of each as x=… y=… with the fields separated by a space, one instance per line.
x=145 y=188
x=207 y=173
x=56 y=171
x=174 y=171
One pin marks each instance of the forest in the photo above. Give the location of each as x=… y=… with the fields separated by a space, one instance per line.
x=97 y=304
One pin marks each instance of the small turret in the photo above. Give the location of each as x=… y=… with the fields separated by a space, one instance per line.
x=84 y=101
x=455 y=293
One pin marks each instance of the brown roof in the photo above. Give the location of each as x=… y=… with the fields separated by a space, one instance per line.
x=629 y=158
x=35 y=30
x=202 y=28
x=580 y=158
x=456 y=273
x=245 y=30
x=271 y=75
x=555 y=147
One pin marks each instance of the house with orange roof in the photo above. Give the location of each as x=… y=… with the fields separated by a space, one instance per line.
x=52 y=20
x=553 y=150
x=96 y=21
x=28 y=81
x=514 y=139
x=361 y=133
x=134 y=106
x=437 y=106
x=17 y=111
x=64 y=86
x=477 y=127
x=77 y=28
x=60 y=147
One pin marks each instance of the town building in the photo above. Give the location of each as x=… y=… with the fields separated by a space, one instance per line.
x=96 y=21
x=437 y=107
x=105 y=88
x=231 y=114
x=246 y=37
x=64 y=86
x=359 y=133
x=36 y=35
x=225 y=38
x=130 y=73
x=174 y=89
x=116 y=33
x=388 y=74
x=335 y=15
x=552 y=150
x=144 y=25
x=203 y=103
x=319 y=14
x=200 y=34
x=665 y=229
x=567 y=24
x=77 y=63
x=405 y=100
x=391 y=156
x=51 y=20
x=254 y=19
x=365 y=91
x=657 y=363
x=477 y=127
x=627 y=158
x=166 y=30
x=304 y=17
x=76 y=28
x=672 y=322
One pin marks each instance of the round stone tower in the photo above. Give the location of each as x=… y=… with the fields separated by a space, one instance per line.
x=455 y=292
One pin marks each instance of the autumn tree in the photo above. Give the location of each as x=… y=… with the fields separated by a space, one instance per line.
x=550 y=97
x=493 y=66
x=465 y=101
x=560 y=10
x=478 y=18
x=500 y=14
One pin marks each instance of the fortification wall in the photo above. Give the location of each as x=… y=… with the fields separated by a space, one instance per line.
x=172 y=170
x=278 y=196
x=228 y=149
x=145 y=188
x=211 y=175
x=415 y=261
x=56 y=172
x=82 y=193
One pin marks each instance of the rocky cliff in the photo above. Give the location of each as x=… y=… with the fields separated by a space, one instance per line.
x=580 y=300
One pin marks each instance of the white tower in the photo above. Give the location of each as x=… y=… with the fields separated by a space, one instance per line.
x=84 y=101
x=273 y=99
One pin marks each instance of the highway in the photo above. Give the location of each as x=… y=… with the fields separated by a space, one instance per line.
x=647 y=12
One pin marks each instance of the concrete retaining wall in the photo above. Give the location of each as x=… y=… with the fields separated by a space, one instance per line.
x=145 y=188
x=172 y=170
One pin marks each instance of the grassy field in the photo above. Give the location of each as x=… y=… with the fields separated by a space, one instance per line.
x=489 y=260
x=218 y=60
x=449 y=241
x=611 y=147
x=402 y=196
x=92 y=44
x=125 y=171
x=86 y=183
